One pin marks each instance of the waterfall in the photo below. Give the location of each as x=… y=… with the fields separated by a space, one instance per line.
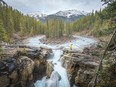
x=64 y=82
x=78 y=44
x=59 y=72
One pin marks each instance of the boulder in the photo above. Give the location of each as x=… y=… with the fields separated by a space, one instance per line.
x=49 y=69
x=23 y=67
x=80 y=66
x=39 y=69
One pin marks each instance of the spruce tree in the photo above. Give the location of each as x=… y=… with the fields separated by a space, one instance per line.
x=3 y=35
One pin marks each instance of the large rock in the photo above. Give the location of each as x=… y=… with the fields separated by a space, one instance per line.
x=16 y=71
x=80 y=66
x=27 y=71
x=49 y=69
x=24 y=67
x=39 y=69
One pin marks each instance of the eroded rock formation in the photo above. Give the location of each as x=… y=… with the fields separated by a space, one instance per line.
x=23 y=67
x=81 y=66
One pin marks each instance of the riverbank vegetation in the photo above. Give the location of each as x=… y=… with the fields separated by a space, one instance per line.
x=98 y=23
x=12 y=21
x=58 y=28
x=30 y=63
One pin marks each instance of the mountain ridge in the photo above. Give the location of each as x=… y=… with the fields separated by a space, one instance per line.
x=66 y=15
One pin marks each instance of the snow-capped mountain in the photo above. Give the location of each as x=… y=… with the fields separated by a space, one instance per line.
x=66 y=15
x=37 y=15
x=69 y=13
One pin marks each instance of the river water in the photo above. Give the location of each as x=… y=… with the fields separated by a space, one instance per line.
x=78 y=44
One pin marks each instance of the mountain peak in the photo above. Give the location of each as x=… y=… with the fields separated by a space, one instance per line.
x=66 y=15
x=69 y=13
x=37 y=14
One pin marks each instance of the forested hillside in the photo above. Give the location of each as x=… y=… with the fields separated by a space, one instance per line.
x=98 y=23
x=58 y=28
x=12 y=21
x=55 y=53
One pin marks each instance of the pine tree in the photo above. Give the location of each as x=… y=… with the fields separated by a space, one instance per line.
x=3 y=35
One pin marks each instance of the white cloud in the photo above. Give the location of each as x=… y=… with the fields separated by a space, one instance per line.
x=51 y=6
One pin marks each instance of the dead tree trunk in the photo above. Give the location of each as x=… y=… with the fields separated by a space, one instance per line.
x=111 y=44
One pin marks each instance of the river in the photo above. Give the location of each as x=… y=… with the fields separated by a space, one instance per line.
x=78 y=44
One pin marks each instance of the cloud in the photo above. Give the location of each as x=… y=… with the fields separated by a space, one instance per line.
x=51 y=6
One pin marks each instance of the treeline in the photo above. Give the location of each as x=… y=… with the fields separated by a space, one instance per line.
x=98 y=23
x=13 y=21
x=58 y=28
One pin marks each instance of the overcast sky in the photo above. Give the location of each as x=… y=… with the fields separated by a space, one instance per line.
x=52 y=6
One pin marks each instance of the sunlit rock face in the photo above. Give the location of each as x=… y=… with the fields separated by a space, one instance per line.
x=17 y=72
x=49 y=69
x=80 y=66
x=24 y=68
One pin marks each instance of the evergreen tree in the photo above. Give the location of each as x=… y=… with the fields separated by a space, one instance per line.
x=68 y=29
x=15 y=22
x=100 y=23
x=3 y=35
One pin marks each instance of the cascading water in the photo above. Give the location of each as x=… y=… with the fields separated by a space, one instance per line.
x=78 y=44
x=64 y=82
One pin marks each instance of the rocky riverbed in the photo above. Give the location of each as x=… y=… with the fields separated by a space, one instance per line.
x=26 y=65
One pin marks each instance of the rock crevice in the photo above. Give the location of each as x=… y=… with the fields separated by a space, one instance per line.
x=23 y=67
x=81 y=66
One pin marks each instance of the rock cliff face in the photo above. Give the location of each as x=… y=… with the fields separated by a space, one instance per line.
x=49 y=69
x=81 y=66
x=24 y=67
